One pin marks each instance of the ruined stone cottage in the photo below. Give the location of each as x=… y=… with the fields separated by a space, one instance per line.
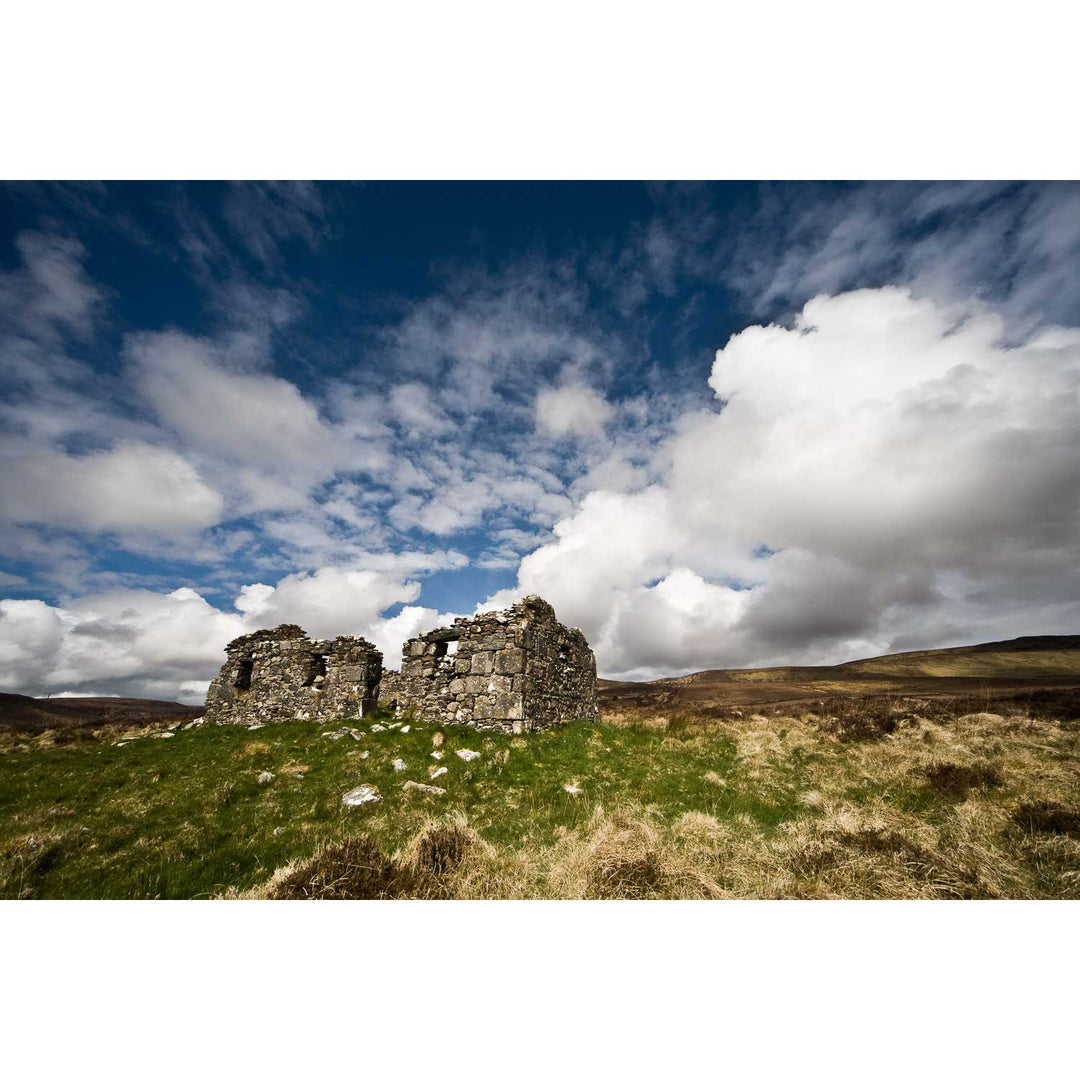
x=282 y=674
x=515 y=670
x=519 y=669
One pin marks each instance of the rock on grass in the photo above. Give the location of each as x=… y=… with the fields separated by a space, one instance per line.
x=411 y=787
x=358 y=796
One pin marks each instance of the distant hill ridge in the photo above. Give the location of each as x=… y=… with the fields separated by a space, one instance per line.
x=36 y=714
x=1043 y=643
x=1045 y=655
x=1028 y=657
x=1024 y=663
x=1020 y=644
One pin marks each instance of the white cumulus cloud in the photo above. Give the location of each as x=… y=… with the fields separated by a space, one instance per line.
x=141 y=643
x=133 y=488
x=885 y=471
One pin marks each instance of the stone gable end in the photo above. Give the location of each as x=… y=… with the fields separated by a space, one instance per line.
x=518 y=669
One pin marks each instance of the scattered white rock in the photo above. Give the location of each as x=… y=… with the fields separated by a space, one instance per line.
x=255 y=727
x=358 y=796
x=279 y=830
x=405 y=730
x=399 y=765
x=265 y=777
x=434 y=773
x=377 y=727
x=437 y=755
x=342 y=733
x=173 y=727
x=573 y=789
x=422 y=789
x=163 y=735
x=467 y=755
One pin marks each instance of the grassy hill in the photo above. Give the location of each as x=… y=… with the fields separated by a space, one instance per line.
x=1026 y=658
x=857 y=798
x=990 y=669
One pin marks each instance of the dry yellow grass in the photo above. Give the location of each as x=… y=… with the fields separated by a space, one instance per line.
x=847 y=844
x=871 y=828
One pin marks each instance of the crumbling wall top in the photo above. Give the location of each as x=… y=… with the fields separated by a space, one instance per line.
x=282 y=674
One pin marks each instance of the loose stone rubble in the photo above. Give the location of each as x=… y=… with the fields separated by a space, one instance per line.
x=282 y=674
x=515 y=670
x=342 y=733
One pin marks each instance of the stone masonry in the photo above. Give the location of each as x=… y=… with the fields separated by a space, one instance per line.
x=516 y=670
x=281 y=674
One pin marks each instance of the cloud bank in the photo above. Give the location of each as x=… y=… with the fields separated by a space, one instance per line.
x=885 y=472
x=139 y=643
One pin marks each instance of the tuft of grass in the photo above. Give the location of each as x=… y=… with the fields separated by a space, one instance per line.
x=354 y=869
x=1046 y=816
x=948 y=778
x=444 y=844
x=623 y=856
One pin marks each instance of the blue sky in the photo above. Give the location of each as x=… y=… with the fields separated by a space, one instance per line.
x=716 y=425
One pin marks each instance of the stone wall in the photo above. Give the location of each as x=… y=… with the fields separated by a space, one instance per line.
x=560 y=672
x=281 y=674
x=517 y=670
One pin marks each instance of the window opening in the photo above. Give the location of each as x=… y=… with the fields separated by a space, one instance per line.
x=243 y=675
x=316 y=670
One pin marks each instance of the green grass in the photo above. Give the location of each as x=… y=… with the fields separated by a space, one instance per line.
x=185 y=816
